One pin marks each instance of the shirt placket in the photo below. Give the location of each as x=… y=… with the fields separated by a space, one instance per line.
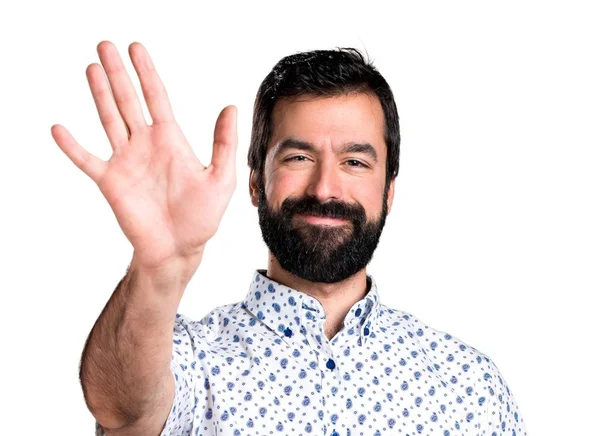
x=328 y=368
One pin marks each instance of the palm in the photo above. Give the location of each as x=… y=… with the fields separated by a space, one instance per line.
x=159 y=194
x=167 y=203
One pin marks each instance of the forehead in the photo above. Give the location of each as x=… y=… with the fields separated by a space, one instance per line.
x=332 y=120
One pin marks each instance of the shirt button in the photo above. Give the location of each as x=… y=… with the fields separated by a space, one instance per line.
x=330 y=364
x=366 y=331
x=288 y=332
x=335 y=433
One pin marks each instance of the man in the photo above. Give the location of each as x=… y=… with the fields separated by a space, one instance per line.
x=310 y=349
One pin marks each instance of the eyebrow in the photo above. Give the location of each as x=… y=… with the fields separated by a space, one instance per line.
x=350 y=147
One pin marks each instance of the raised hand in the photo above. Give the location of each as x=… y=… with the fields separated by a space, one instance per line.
x=167 y=203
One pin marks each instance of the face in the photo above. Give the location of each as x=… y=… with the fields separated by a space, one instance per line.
x=323 y=207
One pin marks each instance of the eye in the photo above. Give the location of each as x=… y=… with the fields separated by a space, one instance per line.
x=360 y=164
x=295 y=158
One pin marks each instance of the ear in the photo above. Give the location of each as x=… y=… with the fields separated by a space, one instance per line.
x=253 y=187
x=390 y=198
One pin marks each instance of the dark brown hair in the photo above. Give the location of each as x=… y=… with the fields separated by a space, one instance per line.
x=322 y=73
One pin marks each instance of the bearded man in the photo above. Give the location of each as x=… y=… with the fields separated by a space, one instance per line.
x=311 y=349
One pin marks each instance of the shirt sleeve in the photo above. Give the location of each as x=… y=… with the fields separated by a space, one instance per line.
x=503 y=416
x=188 y=341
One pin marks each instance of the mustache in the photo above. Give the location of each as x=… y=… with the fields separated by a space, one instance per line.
x=329 y=209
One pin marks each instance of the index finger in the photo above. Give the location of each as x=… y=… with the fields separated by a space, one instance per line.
x=153 y=89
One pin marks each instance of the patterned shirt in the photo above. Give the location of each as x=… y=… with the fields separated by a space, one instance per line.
x=264 y=366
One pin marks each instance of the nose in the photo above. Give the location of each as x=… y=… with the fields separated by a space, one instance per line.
x=325 y=182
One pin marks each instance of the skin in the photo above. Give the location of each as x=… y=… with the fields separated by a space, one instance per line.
x=326 y=174
x=169 y=205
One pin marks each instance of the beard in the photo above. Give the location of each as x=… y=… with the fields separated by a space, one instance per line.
x=320 y=253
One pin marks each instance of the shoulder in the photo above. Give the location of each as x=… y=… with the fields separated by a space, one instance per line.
x=209 y=327
x=429 y=337
x=468 y=372
x=441 y=349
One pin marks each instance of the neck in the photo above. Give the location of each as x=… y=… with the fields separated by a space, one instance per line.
x=336 y=298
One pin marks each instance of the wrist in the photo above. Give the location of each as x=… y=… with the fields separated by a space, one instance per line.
x=175 y=272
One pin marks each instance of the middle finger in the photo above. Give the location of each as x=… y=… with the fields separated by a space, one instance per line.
x=122 y=88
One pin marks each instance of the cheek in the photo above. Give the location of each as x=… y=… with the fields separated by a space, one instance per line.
x=281 y=185
x=370 y=195
x=372 y=201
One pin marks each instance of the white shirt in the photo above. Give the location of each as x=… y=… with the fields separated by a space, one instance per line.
x=264 y=366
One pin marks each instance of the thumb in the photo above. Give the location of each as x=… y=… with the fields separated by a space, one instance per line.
x=225 y=141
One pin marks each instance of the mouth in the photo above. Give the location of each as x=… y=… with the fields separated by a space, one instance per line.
x=320 y=220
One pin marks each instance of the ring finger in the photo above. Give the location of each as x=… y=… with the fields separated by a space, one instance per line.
x=111 y=119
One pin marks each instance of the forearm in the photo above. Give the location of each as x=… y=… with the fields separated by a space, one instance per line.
x=125 y=367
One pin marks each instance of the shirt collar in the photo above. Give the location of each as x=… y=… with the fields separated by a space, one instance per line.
x=289 y=312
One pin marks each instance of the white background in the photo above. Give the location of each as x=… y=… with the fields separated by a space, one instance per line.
x=493 y=236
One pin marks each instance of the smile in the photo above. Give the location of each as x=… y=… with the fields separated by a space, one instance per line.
x=323 y=220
